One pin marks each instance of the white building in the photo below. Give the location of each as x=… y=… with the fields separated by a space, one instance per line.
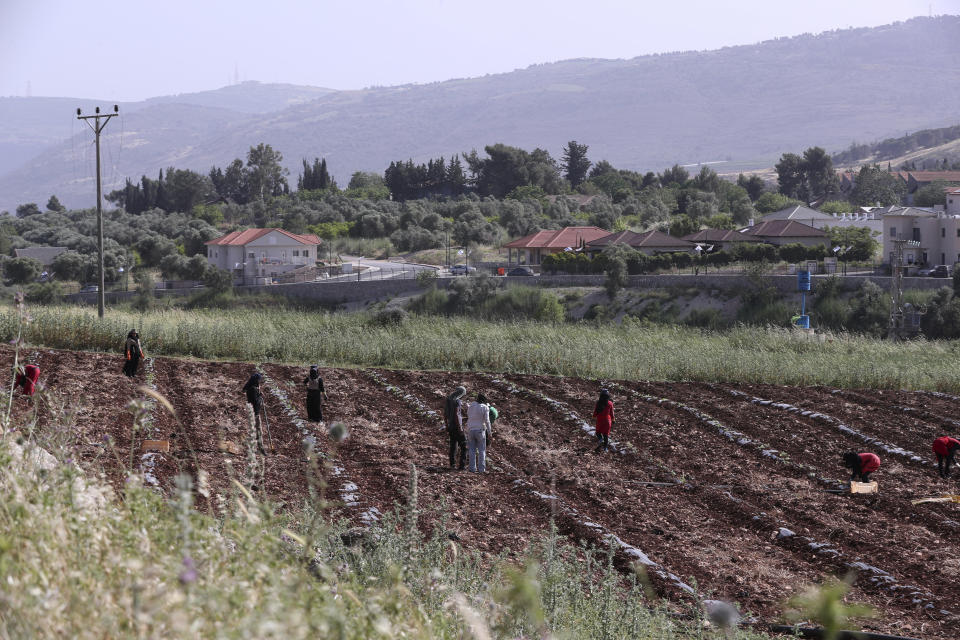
x=936 y=231
x=262 y=253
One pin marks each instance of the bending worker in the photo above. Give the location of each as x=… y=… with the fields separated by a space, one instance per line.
x=946 y=448
x=862 y=464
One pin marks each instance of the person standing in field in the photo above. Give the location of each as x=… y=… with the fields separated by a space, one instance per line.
x=946 y=448
x=862 y=464
x=134 y=353
x=255 y=399
x=316 y=394
x=603 y=413
x=453 y=419
x=479 y=432
x=494 y=414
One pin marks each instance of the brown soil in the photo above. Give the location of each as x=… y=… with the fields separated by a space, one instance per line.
x=715 y=529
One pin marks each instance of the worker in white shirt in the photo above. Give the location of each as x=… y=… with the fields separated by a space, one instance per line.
x=478 y=433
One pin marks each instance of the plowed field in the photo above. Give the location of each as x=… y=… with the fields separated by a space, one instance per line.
x=725 y=488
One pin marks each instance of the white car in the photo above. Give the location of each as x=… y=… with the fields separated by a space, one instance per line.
x=461 y=269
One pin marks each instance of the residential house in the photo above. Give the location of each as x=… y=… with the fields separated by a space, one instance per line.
x=936 y=231
x=918 y=179
x=799 y=213
x=43 y=255
x=820 y=220
x=262 y=253
x=648 y=243
x=780 y=232
x=719 y=239
x=534 y=248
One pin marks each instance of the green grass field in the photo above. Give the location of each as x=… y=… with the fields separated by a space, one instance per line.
x=629 y=351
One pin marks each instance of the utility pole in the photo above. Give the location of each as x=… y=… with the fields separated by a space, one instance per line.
x=898 y=328
x=97 y=128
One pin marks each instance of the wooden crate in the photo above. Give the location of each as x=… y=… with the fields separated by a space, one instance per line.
x=155 y=445
x=864 y=487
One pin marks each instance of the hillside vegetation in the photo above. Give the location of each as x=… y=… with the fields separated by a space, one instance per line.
x=926 y=149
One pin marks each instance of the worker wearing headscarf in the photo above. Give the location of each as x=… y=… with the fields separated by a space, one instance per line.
x=316 y=394
x=453 y=419
x=133 y=352
x=255 y=398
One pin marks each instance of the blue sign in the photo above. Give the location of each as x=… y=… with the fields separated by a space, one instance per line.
x=803 y=280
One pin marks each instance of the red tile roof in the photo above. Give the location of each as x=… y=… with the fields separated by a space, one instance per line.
x=932 y=176
x=720 y=235
x=785 y=229
x=571 y=237
x=245 y=237
x=647 y=239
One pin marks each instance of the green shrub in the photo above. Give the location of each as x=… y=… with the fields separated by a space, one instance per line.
x=392 y=317
x=44 y=293
x=707 y=318
x=432 y=302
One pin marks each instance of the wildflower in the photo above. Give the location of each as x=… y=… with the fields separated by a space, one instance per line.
x=189 y=573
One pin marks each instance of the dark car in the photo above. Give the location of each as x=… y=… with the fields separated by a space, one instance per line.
x=521 y=271
x=939 y=271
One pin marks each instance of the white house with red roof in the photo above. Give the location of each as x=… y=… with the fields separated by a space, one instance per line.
x=534 y=248
x=254 y=253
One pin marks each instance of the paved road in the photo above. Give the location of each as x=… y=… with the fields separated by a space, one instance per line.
x=381 y=270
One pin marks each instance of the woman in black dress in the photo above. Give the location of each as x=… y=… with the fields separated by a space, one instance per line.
x=316 y=394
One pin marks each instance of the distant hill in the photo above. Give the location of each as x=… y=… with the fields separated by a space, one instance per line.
x=744 y=105
x=925 y=148
x=247 y=97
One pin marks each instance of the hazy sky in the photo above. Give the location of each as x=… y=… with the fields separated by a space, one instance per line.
x=137 y=49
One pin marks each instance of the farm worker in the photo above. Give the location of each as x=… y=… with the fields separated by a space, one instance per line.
x=603 y=412
x=478 y=431
x=453 y=419
x=316 y=394
x=494 y=414
x=27 y=380
x=862 y=464
x=134 y=353
x=255 y=398
x=946 y=448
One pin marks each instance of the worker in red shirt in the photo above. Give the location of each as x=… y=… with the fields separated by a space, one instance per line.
x=946 y=448
x=863 y=464
x=27 y=380
x=603 y=412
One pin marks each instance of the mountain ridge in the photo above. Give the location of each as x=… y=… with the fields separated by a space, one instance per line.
x=745 y=104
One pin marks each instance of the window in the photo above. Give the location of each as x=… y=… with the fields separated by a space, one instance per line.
x=916 y=234
x=943 y=232
x=296 y=253
x=958 y=233
x=250 y=255
x=893 y=233
x=306 y=252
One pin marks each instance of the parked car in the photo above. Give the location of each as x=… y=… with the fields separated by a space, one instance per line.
x=521 y=271
x=939 y=271
x=90 y=288
x=461 y=269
